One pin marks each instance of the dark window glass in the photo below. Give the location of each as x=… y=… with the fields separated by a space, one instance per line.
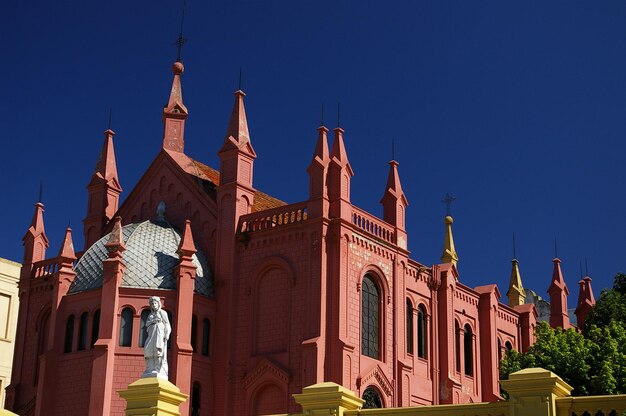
x=372 y=399
x=508 y=346
x=143 y=332
x=169 y=341
x=82 y=331
x=95 y=327
x=194 y=332
x=421 y=332
x=499 y=351
x=195 y=400
x=69 y=334
x=206 y=326
x=457 y=345
x=409 y=327
x=370 y=318
x=467 y=344
x=126 y=327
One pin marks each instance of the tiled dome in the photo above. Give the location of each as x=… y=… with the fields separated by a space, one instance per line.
x=150 y=259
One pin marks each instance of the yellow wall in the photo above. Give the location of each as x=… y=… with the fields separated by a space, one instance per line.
x=532 y=391
x=9 y=303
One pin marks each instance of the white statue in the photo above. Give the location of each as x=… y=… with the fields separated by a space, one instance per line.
x=155 y=348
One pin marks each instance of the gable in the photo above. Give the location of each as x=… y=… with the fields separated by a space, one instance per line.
x=185 y=196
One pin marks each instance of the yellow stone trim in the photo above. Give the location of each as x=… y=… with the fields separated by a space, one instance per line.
x=152 y=396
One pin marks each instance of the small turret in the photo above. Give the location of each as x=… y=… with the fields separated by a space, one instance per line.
x=586 y=300
x=449 y=252
x=394 y=204
x=104 y=191
x=35 y=240
x=339 y=176
x=318 y=170
x=558 y=298
x=174 y=114
x=237 y=154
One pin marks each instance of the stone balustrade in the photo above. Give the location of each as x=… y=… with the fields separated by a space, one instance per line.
x=272 y=218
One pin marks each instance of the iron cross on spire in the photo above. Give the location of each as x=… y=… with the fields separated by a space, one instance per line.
x=448 y=200
x=181 y=40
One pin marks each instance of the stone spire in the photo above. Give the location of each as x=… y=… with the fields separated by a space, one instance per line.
x=174 y=114
x=67 y=247
x=449 y=253
x=186 y=248
x=104 y=191
x=35 y=240
x=558 y=298
x=237 y=154
x=318 y=170
x=586 y=300
x=516 y=293
x=115 y=243
x=339 y=177
x=394 y=201
x=237 y=134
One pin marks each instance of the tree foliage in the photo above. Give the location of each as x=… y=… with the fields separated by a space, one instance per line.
x=611 y=306
x=592 y=361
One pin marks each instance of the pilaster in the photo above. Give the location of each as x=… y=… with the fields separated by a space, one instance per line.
x=104 y=348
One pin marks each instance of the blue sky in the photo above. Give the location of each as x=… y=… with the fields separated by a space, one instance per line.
x=518 y=109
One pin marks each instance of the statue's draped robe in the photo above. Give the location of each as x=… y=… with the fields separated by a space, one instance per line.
x=155 y=347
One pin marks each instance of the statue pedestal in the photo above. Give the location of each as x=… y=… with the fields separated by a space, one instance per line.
x=152 y=396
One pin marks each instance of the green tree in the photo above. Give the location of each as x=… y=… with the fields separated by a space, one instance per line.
x=592 y=361
x=565 y=353
x=611 y=306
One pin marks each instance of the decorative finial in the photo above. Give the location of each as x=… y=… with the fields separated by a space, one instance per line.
x=110 y=111
x=393 y=149
x=161 y=211
x=448 y=200
x=40 y=191
x=240 y=76
x=581 y=270
x=586 y=269
x=514 y=256
x=556 y=255
x=181 y=41
x=322 y=114
x=338 y=115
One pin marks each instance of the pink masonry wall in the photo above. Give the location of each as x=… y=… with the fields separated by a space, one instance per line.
x=288 y=282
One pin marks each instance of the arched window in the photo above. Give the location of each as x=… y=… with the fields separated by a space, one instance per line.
x=508 y=346
x=126 y=327
x=457 y=345
x=499 y=350
x=409 y=326
x=42 y=342
x=143 y=333
x=82 y=331
x=372 y=399
x=206 y=326
x=467 y=347
x=195 y=399
x=95 y=327
x=69 y=334
x=422 y=337
x=370 y=318
x=194 y=332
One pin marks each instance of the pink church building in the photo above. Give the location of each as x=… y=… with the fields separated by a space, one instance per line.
x=264 y=297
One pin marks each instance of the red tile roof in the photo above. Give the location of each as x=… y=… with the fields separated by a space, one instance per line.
x=262 y=201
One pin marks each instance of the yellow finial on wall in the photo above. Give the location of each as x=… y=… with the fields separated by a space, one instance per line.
x=449 y=253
